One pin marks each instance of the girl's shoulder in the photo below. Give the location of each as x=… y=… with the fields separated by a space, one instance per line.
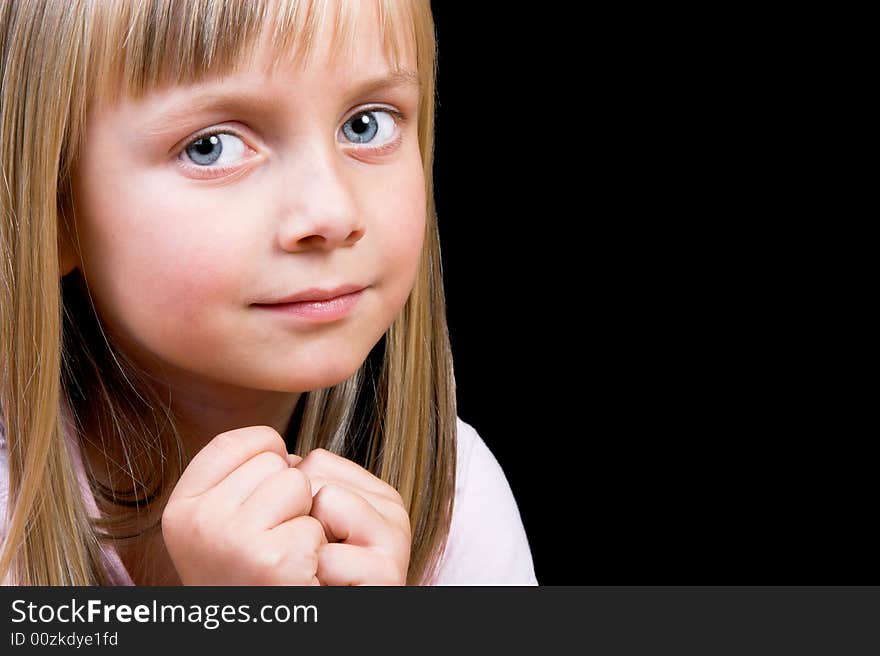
x=487 y=542
x=477 y=469
x=466 y=438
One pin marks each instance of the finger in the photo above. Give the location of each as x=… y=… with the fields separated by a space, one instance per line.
x=348 y=517
x=223 y=454
x=303 y=538
x=293 y=459
x=326 y=464
x=283 y=495
x=391 y=510
x=345 y=564
x=230 y=493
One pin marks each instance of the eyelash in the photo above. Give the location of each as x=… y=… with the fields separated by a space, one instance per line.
x=400 y=119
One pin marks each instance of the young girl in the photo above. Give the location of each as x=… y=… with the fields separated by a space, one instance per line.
x=220 y=248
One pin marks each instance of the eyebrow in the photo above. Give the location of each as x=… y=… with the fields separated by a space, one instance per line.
x=235 y=100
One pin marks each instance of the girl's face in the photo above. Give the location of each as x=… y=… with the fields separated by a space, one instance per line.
x=195 y=203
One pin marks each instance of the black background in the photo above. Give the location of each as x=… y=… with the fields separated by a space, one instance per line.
x=519 y=355
x=625 y=313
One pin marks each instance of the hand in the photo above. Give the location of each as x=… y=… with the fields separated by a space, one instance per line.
x=239 y=515
x=366 y=524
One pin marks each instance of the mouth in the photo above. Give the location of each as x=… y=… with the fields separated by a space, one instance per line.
x=330 y=308
x=316 y=294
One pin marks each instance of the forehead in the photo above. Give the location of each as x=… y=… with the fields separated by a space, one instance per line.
x=198 y=41
x=347 y=45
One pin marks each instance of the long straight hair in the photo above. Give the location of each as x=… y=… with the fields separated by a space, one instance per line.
x=396 y=416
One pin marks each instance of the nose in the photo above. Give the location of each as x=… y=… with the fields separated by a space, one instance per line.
x=318 y=210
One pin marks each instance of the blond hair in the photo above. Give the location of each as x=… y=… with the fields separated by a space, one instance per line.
x=396 y=416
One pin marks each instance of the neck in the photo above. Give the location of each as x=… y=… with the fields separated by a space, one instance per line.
x=201 y=422
x=197 y=422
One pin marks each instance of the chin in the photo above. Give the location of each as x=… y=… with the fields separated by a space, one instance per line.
x=327 y=374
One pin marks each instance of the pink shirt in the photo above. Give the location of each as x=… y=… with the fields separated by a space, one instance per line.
x=487 y=543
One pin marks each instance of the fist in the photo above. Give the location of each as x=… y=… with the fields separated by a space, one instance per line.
x=365 y=523
x=240 y=515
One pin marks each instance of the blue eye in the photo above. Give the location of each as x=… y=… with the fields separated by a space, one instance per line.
x=207 y=150
x=363 y=127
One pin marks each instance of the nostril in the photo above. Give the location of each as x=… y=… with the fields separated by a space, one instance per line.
x=312 y=240
x=355 y=236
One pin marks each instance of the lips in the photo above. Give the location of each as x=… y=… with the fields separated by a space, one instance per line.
x=311 y=312
x=316 y=294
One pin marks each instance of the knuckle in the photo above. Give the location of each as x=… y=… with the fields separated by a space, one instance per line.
x=328 y=494
x=268 y=433
x=301 y=542
x=404 y=537
x=267 y=560
x=390 y=492
x=398 y=499
x=402 y=519
x=320 y=456
x=270 y=461
x=228 y=440
x=299 y=566
x=328 y=489
x=298 y=482
x=305 y=559
x=314 y=528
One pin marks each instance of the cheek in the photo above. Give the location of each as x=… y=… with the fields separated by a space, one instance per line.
x=403 y=225
x=191 y=288
x=157 y=268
